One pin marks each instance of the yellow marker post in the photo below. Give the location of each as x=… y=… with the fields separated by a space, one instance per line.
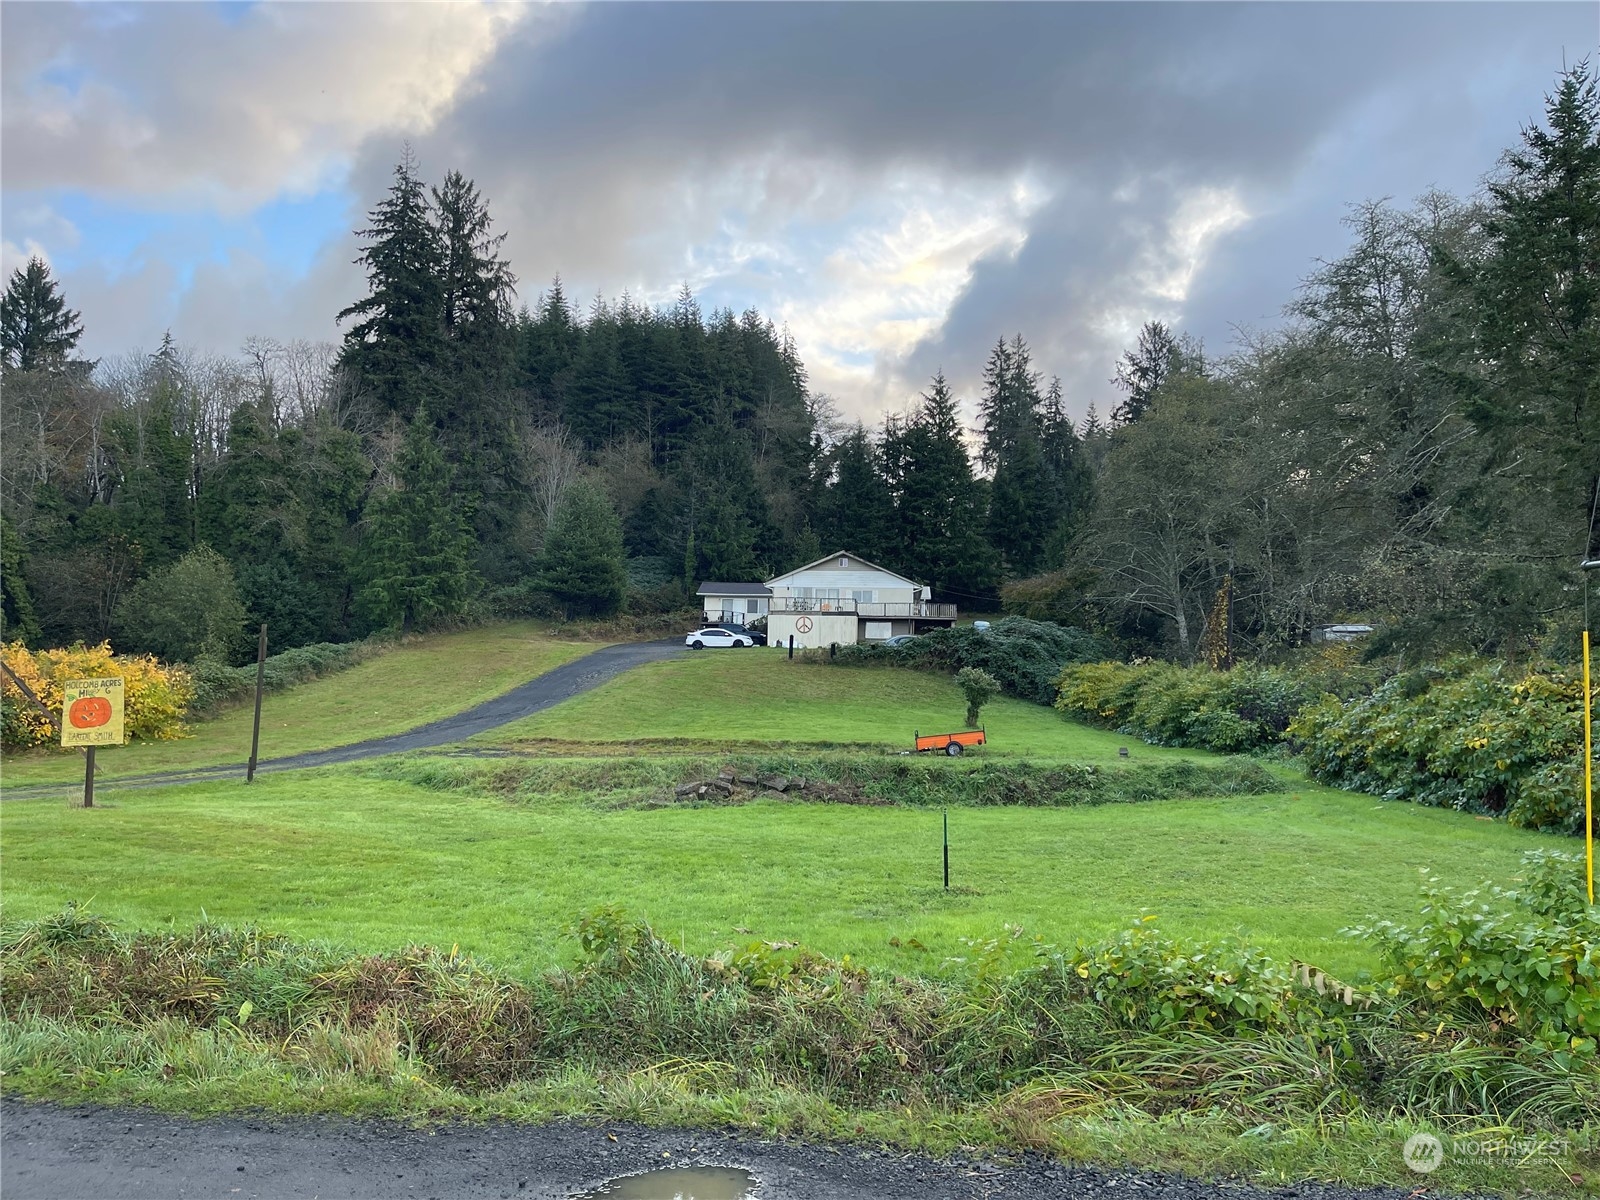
x=91 y=715
x=1588 y=770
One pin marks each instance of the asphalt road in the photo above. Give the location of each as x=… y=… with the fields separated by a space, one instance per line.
x=53 y=1153
x=549 y=689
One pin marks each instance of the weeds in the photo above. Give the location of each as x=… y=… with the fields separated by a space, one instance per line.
x=779 y=1037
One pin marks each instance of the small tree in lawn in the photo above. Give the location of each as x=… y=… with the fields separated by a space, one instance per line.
x=582 y=564
x=416 y=558
x=980 y=687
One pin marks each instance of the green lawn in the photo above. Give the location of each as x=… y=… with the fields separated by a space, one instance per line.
x=420 y=682
x=761 y=696
x=374 y=864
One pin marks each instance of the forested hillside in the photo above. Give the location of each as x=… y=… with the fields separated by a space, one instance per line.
x=1418 y=445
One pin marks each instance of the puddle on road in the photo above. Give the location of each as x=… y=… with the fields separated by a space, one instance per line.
x=677 y=1183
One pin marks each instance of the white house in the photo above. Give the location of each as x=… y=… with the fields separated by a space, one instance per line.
x=844 y=598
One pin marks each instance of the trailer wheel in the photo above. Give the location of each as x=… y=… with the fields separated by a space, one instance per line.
x=954 y=750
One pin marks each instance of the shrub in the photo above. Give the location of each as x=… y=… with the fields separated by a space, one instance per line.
x=1232 y=712
x=1025 y=657
x=979 y=687
x=216 y=684
x=186 y=610
x=1148 y=981
x=1474 y=737
x=155 y=697
x=1527 y=958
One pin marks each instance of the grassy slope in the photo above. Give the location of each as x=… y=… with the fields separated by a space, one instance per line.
x=420 y=682
x=749 y=695
x=375 y=863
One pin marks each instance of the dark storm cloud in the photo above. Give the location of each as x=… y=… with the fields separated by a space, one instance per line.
x=632 y=131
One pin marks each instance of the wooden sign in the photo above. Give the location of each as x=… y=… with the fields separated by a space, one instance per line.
x=91 y=712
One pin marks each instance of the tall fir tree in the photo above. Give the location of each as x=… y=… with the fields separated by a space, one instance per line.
x=1536 y=326
x=857 y=507
x=940 y=505
x=38 y=332
x=1071 y=476
x=415 y=562
x=582 y=565
x=395 y=344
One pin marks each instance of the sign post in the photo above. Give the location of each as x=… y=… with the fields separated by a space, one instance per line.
x=91 y=715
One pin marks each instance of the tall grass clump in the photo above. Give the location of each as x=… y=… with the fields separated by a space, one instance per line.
x=1140 y=1023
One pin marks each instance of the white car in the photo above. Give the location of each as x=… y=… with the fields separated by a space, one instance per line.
x=711 y=635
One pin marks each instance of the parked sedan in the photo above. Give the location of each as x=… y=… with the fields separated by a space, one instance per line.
x=900 y=639
x=716 y=635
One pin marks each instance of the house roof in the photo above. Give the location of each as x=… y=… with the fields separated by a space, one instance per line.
x=712 y=588
x=854 y=558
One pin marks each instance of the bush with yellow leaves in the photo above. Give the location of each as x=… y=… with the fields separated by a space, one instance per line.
x=155 y=696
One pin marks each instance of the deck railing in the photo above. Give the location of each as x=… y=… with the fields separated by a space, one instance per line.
x=864 y=608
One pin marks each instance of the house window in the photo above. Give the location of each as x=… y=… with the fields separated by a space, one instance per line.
x=865 y=597
x=843 y=561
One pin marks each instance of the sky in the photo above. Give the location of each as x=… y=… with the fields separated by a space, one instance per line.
x=901 y=184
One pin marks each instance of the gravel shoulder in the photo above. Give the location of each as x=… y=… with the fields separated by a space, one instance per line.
x=60 y=1153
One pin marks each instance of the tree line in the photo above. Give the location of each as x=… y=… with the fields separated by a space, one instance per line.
x=1417 y=445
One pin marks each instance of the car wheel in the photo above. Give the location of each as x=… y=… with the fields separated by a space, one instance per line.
x=954 y=750
x=698 y=644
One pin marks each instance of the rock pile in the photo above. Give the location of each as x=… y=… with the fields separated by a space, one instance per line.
x=728 y=785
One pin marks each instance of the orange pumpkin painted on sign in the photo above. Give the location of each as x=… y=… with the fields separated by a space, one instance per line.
x=89 y=712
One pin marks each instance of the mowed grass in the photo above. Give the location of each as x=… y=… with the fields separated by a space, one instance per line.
x=761 y=696
x=422 y=681
x=375 y=864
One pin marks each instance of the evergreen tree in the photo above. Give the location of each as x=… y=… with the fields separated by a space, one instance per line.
x=940 y=507
x=582 y=566
x=857 y=507
x=1008 y=410
x=1160 y=353
x=474 y=410
x=1537 y=326
x=415 y=561
x=17 y=619
x=395 y=344
x=152 y=506
x=1022 y=502
x=1067 y=466
x=475 y=284
x=727 y=521
x=1021 y=508
x=252 y=513
x=37 y=329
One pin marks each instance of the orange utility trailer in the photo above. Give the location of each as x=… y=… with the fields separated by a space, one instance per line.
x=953 y=744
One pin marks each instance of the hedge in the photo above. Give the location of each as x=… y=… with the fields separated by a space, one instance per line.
x=1025 y=656
x=1476 y=737
x=1469 y=735
x=217 y=684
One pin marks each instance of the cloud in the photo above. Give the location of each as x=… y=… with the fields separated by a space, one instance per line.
x=1150 y=138
x=194 y=105
x=903 y=184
